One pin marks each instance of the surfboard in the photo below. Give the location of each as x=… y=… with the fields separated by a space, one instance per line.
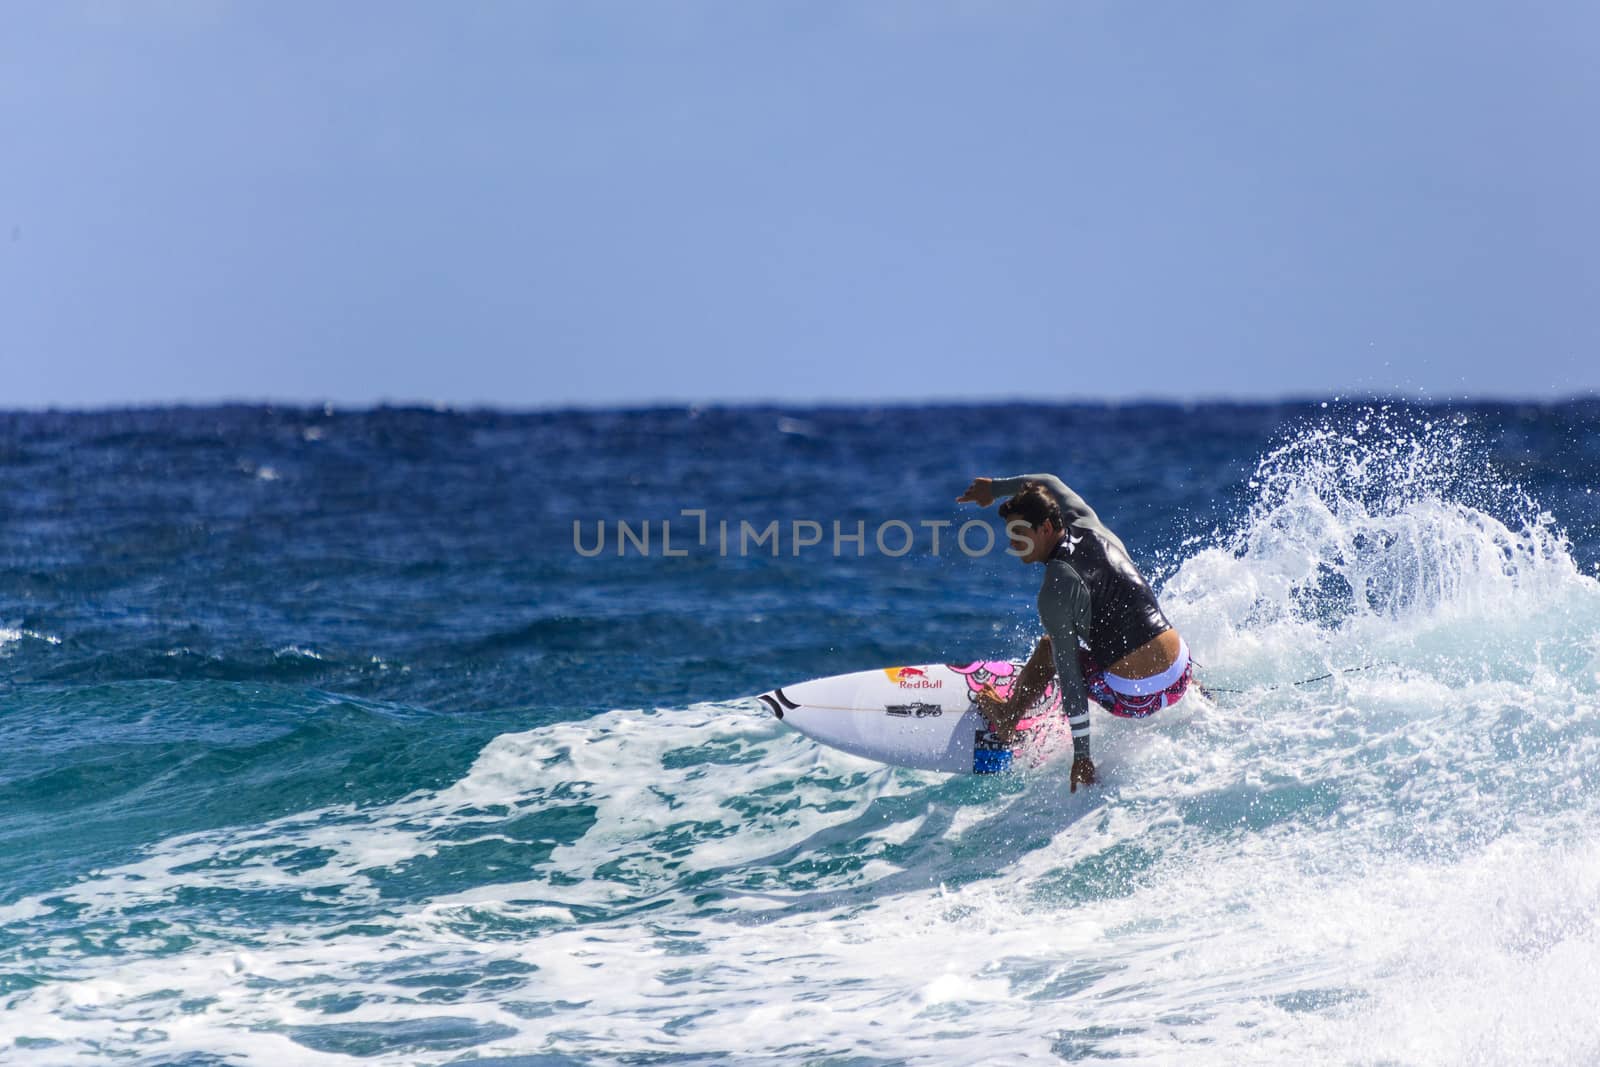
x=922 y=717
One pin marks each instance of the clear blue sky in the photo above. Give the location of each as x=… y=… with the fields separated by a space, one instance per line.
x=533 y=203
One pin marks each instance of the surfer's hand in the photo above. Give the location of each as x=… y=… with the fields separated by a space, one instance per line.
x=1001 y=718
x=994 y=707
x=1083 y=774
x=979 y=492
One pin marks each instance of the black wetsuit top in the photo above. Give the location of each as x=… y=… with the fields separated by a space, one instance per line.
x=1091 y=592
x=1125 y=614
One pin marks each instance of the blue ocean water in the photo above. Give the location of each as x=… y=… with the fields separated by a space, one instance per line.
x=327 y=738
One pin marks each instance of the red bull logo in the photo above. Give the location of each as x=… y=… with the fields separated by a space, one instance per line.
x=912 y=678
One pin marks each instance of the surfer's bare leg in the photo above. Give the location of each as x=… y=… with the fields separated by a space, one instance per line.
x=1032 y=680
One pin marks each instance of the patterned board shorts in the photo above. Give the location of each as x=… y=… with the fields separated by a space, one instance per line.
x=1125 y=705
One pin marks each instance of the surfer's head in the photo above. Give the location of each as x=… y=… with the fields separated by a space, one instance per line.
x=1033 y=522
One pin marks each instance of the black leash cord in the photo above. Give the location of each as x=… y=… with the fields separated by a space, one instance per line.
x=1304 y=681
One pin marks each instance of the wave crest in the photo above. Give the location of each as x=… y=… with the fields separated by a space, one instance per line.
x=1377 y=526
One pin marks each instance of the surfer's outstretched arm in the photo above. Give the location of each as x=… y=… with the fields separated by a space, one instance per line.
x=1073 y=507
x=1075 y=511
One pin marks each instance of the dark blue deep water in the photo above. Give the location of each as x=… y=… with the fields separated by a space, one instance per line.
x=321 y=741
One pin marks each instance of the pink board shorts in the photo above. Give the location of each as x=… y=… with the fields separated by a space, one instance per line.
x=1163 y=691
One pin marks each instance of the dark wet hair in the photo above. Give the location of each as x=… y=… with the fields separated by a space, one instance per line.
x=1033 y=505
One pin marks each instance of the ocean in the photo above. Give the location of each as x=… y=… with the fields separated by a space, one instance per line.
x=409 y=736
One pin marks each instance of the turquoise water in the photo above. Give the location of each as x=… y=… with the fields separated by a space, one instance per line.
x=322 y=744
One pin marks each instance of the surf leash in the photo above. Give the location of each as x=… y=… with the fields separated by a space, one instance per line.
x=1206 y=690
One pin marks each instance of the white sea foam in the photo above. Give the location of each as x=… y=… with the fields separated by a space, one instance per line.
x=1393 y=863
x=8 y=635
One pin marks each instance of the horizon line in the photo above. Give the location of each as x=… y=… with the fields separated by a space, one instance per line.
x=806 y=403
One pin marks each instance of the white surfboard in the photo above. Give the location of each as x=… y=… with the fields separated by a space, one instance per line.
x=923 y=717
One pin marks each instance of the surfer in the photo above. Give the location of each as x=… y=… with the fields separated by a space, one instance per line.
x=1106 y=638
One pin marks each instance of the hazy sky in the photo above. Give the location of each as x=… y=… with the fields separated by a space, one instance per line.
x=532 y=203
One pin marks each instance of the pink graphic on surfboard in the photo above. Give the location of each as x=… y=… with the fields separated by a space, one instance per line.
x=1002 y=675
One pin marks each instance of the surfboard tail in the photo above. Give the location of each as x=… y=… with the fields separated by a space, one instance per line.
x=777 y=702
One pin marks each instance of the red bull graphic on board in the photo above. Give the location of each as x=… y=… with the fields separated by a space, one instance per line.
x=912 y=678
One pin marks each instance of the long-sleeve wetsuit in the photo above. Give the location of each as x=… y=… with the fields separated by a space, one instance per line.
x=1091 y=592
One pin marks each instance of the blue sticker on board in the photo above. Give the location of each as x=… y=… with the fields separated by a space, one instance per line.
x=990 y=755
